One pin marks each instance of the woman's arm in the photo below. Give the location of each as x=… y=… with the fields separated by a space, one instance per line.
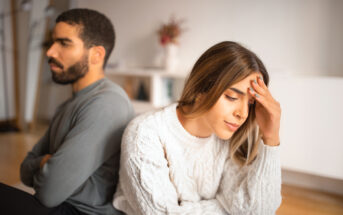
x=253 y=189
x=145 y=180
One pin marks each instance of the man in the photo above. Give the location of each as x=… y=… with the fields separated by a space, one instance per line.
x=74 y=167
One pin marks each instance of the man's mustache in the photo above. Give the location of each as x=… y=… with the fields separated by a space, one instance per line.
x=54 y=61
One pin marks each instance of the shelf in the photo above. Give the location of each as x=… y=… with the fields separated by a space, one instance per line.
x=162 y=87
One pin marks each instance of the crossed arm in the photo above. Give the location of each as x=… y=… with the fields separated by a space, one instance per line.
x=89 y=143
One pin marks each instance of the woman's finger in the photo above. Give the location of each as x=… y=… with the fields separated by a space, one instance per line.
x=259 y=87
x=266 y=101
x=261 y=82
x=257 y=95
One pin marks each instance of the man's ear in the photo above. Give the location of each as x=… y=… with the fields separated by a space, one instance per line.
x=97 y=55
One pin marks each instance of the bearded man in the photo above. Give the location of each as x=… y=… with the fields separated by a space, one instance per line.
x=74 y=166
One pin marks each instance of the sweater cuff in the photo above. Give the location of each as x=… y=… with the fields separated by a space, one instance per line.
x=28 y=170
x=33 y=165
x=269 y=161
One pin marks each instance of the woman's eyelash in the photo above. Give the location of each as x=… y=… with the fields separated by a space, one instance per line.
x=234 y=99
x=230 y=98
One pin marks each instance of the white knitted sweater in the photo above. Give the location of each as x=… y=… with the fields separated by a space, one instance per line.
x=166 y=170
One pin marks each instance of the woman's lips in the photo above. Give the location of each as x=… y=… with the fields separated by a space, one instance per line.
x=233 y=127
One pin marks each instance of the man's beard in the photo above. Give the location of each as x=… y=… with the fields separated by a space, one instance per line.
x=72 y=74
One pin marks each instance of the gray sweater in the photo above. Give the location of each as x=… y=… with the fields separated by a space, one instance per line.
x=84 y=139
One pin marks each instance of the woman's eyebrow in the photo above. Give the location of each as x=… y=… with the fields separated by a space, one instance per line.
x=237 y=91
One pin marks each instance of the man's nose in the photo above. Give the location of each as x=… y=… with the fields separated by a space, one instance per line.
x=51 y=52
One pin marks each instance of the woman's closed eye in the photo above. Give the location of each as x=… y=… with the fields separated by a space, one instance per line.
x=231 y=98
x=250 y=103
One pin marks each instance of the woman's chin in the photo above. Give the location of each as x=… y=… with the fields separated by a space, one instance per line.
x=225 y=135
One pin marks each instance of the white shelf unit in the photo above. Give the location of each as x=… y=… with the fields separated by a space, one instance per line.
x=162 y=87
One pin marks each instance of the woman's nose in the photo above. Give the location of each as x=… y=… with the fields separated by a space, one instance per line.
x=242 y=112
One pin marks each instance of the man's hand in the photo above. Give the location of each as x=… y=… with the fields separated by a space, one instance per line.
x=44 y=160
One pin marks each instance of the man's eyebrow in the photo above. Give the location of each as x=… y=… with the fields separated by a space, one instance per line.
x=237 y=91
x=62 y=39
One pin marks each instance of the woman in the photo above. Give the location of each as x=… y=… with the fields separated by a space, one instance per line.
x=215 y=151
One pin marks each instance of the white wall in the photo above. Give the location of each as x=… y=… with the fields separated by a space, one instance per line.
x=311 y=123
x=293 y=36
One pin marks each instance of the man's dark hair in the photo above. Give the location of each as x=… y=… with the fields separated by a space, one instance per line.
x=95 y=28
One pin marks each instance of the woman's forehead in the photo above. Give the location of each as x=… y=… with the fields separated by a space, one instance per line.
x=246 y=82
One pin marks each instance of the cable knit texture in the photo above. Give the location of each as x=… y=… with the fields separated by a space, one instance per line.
x=166 y=170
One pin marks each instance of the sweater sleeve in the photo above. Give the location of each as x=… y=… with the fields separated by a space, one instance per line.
x=144 y=178
x=88 y=144
x=30 y=166
x=253 y=189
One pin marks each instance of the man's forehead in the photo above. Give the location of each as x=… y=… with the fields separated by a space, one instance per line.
x=63 y=29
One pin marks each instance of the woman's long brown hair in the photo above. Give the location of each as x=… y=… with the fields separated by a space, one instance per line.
x=220 y=67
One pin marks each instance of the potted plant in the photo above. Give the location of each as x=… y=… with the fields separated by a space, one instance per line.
x=169 y=34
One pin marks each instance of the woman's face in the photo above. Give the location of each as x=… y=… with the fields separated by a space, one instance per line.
x=231 y=109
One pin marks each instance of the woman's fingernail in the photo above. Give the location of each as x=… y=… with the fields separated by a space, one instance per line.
x=255 y=81
x=257 y=96
x=260 y=77
x=251 y=89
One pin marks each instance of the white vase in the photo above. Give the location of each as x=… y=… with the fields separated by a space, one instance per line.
x=171 y=57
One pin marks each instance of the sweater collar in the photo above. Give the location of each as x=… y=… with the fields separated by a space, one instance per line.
x=178 y=130
x=89 y=88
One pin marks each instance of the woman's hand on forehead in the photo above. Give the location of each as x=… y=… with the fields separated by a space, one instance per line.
x=268 y=111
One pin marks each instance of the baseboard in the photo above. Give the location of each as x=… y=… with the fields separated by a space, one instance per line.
x=314 y=182
x=9 y=125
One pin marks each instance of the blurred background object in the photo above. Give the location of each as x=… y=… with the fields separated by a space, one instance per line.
x=24 y=28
